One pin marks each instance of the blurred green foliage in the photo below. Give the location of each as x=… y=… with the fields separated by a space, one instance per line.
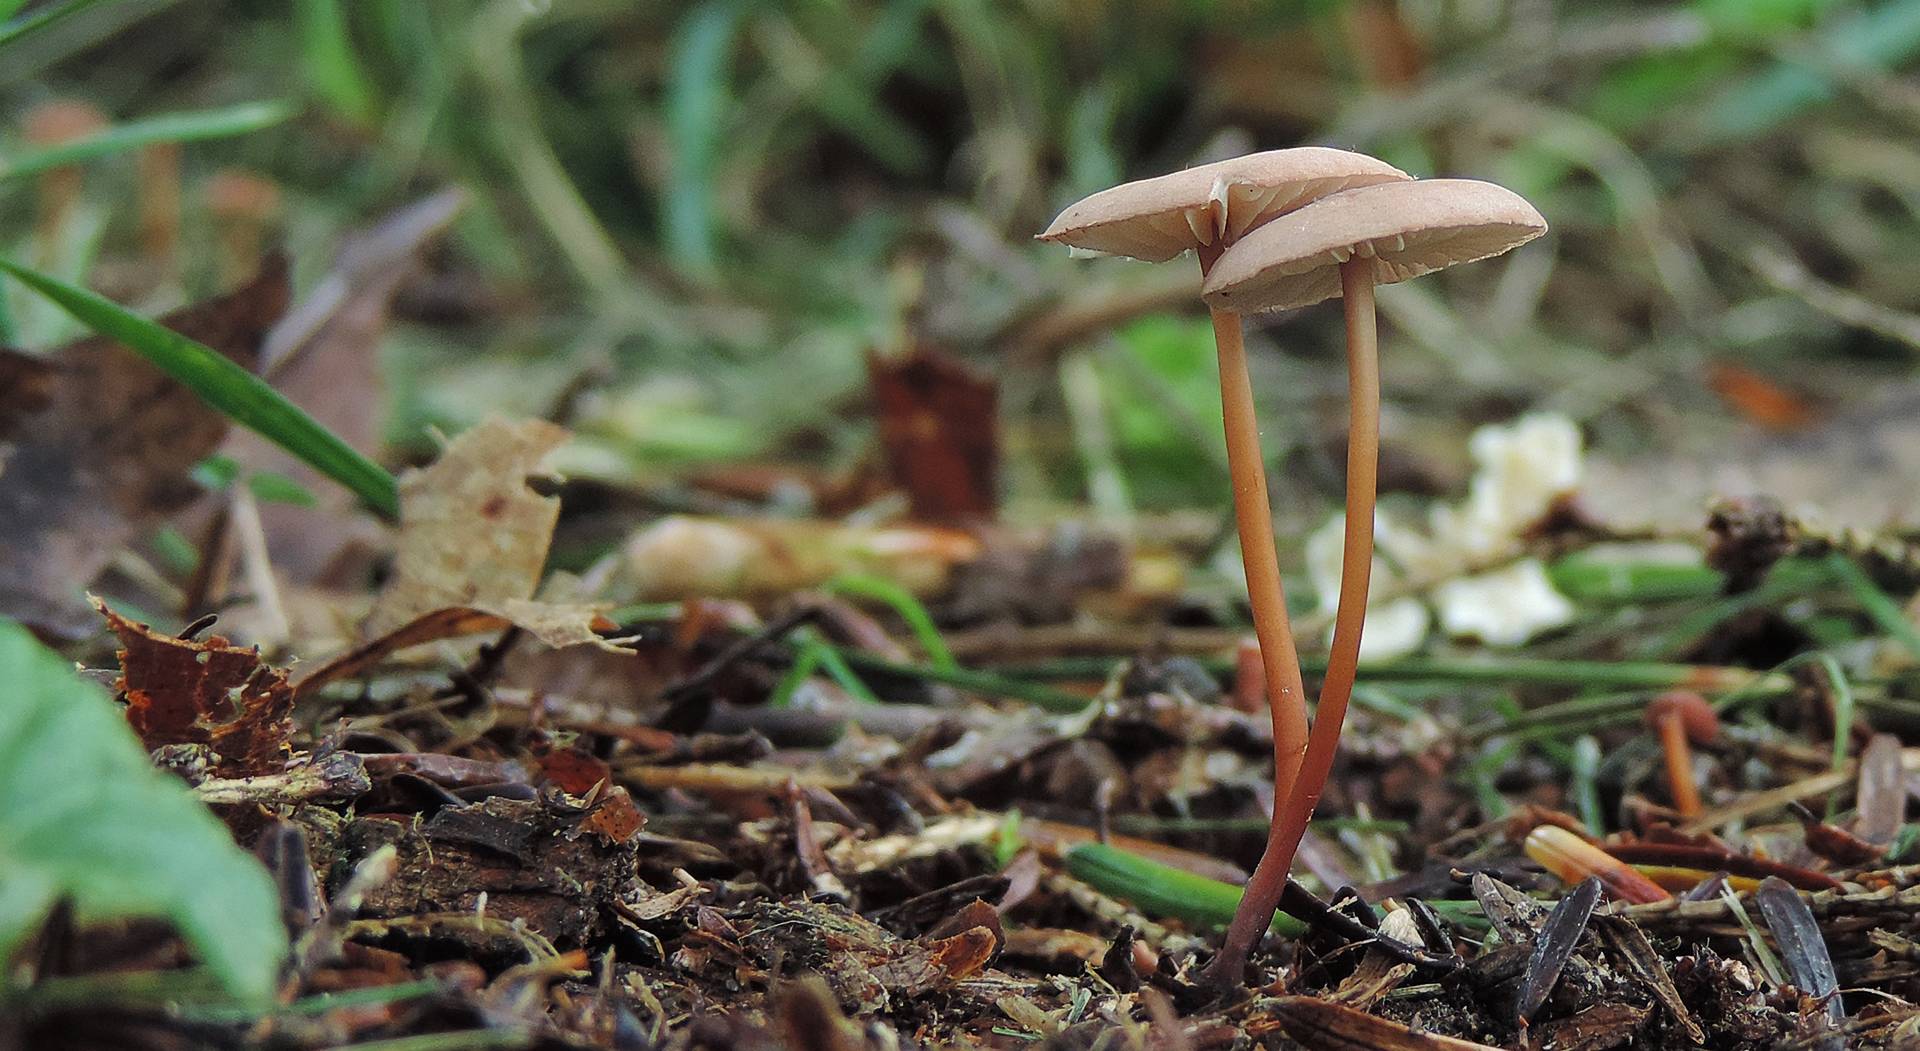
x=715 y=209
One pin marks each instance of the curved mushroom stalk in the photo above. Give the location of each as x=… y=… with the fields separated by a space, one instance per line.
x=1209 y=209
x=1343 y=245
x=1308 y=773
x=1253 y=518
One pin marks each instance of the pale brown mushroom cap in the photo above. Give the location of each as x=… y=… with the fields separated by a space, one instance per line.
x=57 y=122
x=1159 y=218
x=233 y=193
x=1695 y=713
x=1405 y=228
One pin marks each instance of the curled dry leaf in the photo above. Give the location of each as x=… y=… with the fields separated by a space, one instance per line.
x=685 y=557
x=615 y=818
x=96 y=445
x=473 y=542
x=323 y=355
x=1882 y=796
x=210 y=692
x=472 y=534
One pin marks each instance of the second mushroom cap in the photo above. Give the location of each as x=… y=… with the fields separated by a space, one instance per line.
x=1156 y=219
x=1405 y=228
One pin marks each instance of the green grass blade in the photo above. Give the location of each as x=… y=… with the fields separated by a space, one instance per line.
x=12 y=32
x=8 y=333
x=240 y=395
x=1878 y=605
x=326 y=50
x=697 y=104
x=1162 y=890
x=192 y=126
x=904 y=605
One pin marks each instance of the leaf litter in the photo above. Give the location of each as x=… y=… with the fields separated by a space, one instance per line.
x=751 y=805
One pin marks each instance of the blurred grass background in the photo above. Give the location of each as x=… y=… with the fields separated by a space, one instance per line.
x=690 y=222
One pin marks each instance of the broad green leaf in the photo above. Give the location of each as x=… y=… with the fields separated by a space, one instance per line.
x=170 y=127
x=240 y=395
x=83 y=815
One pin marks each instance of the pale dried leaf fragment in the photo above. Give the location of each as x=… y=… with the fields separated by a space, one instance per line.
x=474 y=536
x=1322 y=1025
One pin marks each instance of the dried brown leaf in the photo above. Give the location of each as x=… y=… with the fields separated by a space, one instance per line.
x=323 y=356
x=474 y=537
x=96 y=445
x=207 y=692
x=1322 y=1025
x=938 y=428
x=471 y=533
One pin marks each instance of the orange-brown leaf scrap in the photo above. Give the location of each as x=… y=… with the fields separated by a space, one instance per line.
x=209 y=692
x=939 y=429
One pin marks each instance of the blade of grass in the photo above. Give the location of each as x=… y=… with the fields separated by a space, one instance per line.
x=514 y=126
x=903 y=604
x=1492 y=669
x=240 y=395
x=1162 y=890
x=1586 y=783
x=326 y=51
x=1877 y=604
x=697 y=101
x=192 y=126
x=1762 y=952
x=977 y=681
x=13 y=32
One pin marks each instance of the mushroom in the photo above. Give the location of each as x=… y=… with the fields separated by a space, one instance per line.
x=1344 y=245
x=243 y=204
x=1680 y=716
x=1206 y=209
x=59 y=122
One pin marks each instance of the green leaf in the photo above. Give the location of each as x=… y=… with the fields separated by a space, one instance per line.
x=24 y=27
x=87 y=817
x=243 y=397
x=332 y=68
x=272 y=487
x=1162 y=890
x=190 y=126
x=697 y=105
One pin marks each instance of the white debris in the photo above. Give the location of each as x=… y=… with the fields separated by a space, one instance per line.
x=1503 y=608
x=1522 y=468
x=1394 y=627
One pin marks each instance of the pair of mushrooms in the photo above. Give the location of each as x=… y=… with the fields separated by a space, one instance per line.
x=1275 y=231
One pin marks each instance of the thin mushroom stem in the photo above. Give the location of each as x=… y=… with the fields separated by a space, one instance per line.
x=1290 y=818
x=1673 y=744
x=1286 y=691
x=1253 y=517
